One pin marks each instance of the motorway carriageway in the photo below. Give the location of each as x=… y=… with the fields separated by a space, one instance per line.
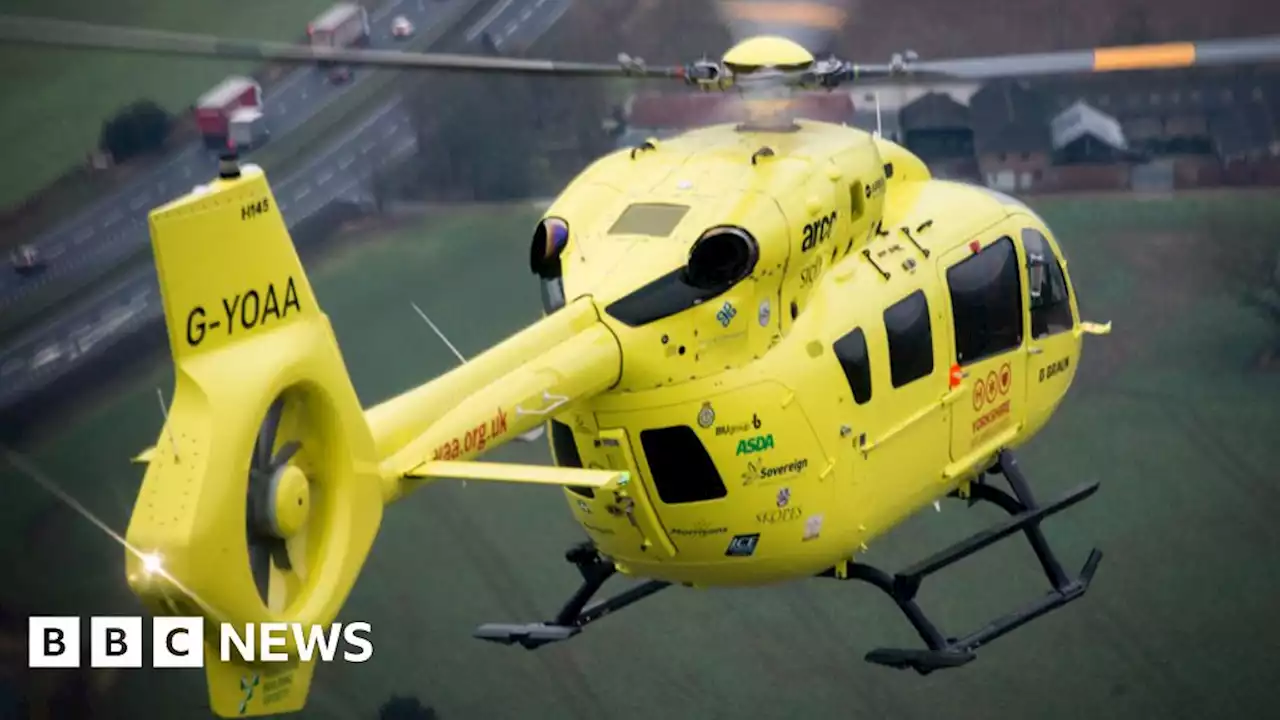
x=112 y=228
x=339 y=171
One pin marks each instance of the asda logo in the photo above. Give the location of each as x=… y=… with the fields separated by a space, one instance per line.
x=747 y=446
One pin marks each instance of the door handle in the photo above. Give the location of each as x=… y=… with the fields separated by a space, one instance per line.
x=1034 y=350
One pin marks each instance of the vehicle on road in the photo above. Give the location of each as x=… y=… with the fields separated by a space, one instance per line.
x=215 y=108
x=401 y=28
x=27 y=260
x=343 y=25
x=248 y=128
x=340 y=74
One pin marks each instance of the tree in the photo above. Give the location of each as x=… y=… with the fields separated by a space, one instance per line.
x=138 y=129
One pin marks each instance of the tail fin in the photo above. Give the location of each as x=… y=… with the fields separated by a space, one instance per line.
x=263 y=408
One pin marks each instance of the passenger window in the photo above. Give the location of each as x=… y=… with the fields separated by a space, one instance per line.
x=910 y=339
x=851 y=351
x=986 y=300
x=1046 y=287
x=682 y=470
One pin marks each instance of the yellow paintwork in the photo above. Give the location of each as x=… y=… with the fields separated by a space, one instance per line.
x=510 y=472
x=767 y=51
x=768 y=374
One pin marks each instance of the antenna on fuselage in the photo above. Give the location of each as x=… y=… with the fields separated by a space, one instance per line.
x=530 y=436
x=879 y=128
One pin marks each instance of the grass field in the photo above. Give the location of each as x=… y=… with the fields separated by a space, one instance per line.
x=1169 y=413
x=54 y=101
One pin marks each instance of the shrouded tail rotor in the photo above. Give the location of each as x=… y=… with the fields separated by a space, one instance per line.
x=277 y=513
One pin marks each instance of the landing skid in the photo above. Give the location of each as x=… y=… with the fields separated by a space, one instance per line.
x=947 y=652
x=941 y=652
x=575 y=615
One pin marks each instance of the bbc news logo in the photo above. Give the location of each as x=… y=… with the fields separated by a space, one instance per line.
x=177 y=642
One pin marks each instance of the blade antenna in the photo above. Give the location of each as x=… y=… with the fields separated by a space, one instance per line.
x=164 y=412
x=879 y=126
x=436 y=330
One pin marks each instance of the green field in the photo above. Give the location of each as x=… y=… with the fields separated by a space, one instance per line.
x=54 y=101
x=1169 y=413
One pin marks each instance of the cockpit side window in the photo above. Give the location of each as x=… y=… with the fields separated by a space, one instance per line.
x=1049 y=296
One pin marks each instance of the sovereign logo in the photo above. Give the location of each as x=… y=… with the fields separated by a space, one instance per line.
x=747 y=446
x=758 y=472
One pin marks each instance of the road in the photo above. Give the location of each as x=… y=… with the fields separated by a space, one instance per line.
x=337 y=171
x=117 y=225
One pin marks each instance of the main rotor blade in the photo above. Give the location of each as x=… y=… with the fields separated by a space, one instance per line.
x=811 y=23
x=63 y=33
x=1135 y=57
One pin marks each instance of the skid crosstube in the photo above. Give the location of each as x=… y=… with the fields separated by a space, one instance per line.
x=575 y=614
x=1025 y=516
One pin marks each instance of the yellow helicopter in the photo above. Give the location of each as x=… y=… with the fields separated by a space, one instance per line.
x=765 y=345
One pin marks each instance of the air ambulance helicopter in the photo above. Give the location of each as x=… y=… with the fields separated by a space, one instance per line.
x=765 y=345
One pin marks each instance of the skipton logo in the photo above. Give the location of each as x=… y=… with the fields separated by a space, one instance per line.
x=179 y=642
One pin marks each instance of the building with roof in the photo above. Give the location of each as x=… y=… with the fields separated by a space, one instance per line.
x=1082 y=134
x=1011 y=135
x=936 y=127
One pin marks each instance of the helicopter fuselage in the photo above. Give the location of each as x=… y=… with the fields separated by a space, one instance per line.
x=884 y=348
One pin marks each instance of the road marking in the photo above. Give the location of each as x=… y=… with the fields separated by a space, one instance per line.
x=488 y=19
x=326 y=177
x=386 y=10
x=390 y=131
x=525 y=15
x=186 y=172
x=304 y=94
x=302 y=193
x=112 y=219
x=138 y=202
x=345 y=162
x=84 y=234
x=511 y=26
x=365 y=148
x=404 y=147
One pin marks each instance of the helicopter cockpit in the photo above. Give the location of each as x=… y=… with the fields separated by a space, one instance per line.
x=667 y=274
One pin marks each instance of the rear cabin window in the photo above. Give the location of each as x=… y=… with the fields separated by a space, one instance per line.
x=910 y=339
x=851 y=350
x=652 y=219
x=986 y=301
x=1050 y=302
x=681 y=468
x=565 y=452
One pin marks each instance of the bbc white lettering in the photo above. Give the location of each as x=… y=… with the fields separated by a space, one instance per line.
x=179 y=642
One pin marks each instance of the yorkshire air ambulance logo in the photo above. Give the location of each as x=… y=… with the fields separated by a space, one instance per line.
x=706 y=416
x=247 y=685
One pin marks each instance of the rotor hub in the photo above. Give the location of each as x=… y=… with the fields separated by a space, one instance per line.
x=767 y=51
x=289 y=502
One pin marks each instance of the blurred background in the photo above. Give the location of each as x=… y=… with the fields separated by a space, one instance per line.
x=1163 y=187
